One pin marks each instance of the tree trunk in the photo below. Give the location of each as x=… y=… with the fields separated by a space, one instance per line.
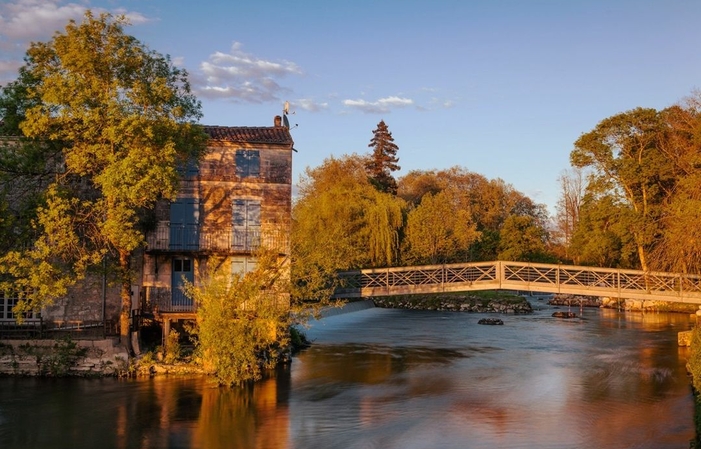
x=125 y=293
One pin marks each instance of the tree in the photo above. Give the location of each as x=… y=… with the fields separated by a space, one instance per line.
x=383 y=160
x=341 y=222
x=602 y=236
x=568 y=205
x=624 y=153
x=126 y=119
x=522 y=239
x=438 y=231
x=254 y=305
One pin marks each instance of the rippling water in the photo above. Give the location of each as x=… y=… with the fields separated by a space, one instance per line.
x=397 y=379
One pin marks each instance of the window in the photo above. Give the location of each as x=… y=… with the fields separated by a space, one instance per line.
x=247 y=163
x=246 y=224
x=6 y=306
x=243 y=265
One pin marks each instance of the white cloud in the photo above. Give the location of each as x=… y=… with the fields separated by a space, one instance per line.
x=383 y=105
x=243 y=77
x=310 y=105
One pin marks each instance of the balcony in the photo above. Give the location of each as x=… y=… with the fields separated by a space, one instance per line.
x=166 y=300
x=226 y=239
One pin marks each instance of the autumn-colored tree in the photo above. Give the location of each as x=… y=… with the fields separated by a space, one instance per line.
x=341 y=222
x=125 y=117
x=383 y=160
x=679 y=246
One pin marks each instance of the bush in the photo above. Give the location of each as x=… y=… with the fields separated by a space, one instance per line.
x=243 y=321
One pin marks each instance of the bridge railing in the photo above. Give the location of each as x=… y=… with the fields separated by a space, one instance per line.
x=534 y=277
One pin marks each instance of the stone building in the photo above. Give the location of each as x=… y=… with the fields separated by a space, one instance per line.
x=234 y=201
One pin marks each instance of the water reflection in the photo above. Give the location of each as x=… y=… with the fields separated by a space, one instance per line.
x=396 y=379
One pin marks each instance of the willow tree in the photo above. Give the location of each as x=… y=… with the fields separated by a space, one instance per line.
x=125 y=117
x=341 y=222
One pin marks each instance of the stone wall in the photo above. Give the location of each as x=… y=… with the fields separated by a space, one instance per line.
x=84 y=302
x=63 y=358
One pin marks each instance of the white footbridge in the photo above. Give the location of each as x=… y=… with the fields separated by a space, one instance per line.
x=521 y=276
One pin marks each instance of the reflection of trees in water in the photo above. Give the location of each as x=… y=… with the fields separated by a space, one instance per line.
x=190 y=412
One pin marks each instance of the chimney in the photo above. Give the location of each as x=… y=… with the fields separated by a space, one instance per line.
x=278 y=121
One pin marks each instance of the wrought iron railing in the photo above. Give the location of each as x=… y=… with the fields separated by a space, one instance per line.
x=176 y=237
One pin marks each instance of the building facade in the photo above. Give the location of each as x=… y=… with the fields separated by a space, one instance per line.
x=235 y=201
x=231 y=203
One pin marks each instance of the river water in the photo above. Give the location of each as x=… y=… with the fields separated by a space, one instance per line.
x=384 y=378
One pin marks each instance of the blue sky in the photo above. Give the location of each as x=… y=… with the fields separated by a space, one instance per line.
x=500 y=87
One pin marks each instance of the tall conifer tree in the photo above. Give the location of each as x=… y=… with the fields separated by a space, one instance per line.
x=383 y=160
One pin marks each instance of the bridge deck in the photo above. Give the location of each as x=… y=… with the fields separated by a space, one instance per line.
x=534 y=277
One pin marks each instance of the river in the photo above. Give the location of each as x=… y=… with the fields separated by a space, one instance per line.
x=387 y=378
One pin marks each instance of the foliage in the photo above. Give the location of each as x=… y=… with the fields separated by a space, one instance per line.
x=523 y=240
x=123 y=117
x=340 y=222
x=694 y=362
x=383 y=160
x=61 y=359
x=487 y=203
x=438 y=231
x=624 y=153
x=243 y=320
x=173 y=349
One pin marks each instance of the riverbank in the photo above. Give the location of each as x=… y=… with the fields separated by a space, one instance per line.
x=635 y=305
x=484 y=302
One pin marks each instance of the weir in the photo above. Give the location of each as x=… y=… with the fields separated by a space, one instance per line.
x=525 y=276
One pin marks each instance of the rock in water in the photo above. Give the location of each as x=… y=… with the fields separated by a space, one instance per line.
x=490 y=321
x=564 y=315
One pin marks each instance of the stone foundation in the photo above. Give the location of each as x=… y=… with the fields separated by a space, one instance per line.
x=61 y=358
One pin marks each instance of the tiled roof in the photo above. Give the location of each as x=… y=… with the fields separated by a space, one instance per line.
x=260 y=134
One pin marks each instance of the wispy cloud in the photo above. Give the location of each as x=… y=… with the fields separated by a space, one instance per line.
x=310 y=105
x=383 y=105
x=242 y=77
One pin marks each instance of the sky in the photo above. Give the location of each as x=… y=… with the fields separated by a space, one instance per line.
x=502 y=88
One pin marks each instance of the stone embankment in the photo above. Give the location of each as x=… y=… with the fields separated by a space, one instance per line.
x=93 y=358
x=456 y=303
x=636 y=305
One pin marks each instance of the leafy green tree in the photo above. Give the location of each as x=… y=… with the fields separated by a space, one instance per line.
x=383 y=160
x=624 y=154
x=523 y=240
x=601 y=237
x=243 y=320
x=438 y=231
x=126 y=119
